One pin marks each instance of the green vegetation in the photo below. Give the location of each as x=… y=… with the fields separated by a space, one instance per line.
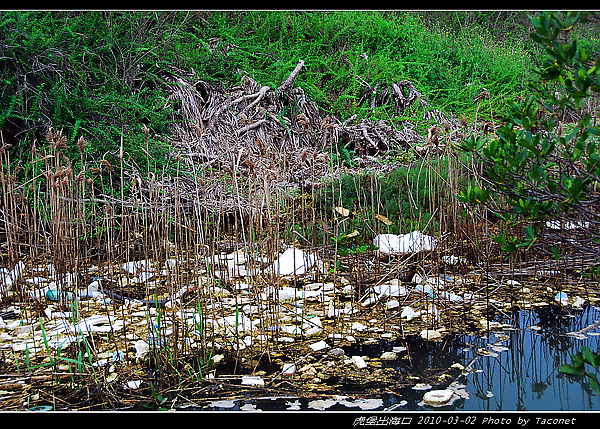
x=409 y=196
x=542 y=166
x=101 y=74
x=580 y=361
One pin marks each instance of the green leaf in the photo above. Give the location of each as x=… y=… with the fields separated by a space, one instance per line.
x=594 y=384
x=569 y=370
x=588 y=355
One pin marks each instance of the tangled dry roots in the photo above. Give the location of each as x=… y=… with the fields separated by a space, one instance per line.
x=275 y=137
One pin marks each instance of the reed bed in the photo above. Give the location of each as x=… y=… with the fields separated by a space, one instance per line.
x=163 y=287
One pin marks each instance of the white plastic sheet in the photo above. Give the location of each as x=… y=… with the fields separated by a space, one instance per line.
x=392 y=244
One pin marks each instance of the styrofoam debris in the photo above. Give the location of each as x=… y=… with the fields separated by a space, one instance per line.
x=392 y=244
x=319 y=345
x=421 y=386
x=135 y=267
x=134 y=384
x=408 y=313
x=141 y=349
x=357 y=326
x=390 y=290
x=391 y=304
x=99 y=323
x=362 y=403
x=293 y=261
x=239 y=323
x=359 y=362
x=438 y=398
x=555 y=224
x=287 y=293
x=288 y=369
x=430 y=334
x=251 y=380
x=454 y=260
x=7 y=279
x=388 y=356
x=579 y=302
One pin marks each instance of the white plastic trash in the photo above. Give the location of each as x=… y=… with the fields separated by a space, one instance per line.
x=579 y=302
x=414 y=242
x=390 y=290
x=288 y=369
x=7 y=279
x=359 y=362
x=408 y=313
x=430 y=334
x=318 y=346
x=252 y=380
x=562 y=298
x=439 y=397
x=293 y=261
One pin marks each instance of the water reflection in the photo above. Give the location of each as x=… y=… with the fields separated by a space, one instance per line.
x=525 y=377
x=512 y=370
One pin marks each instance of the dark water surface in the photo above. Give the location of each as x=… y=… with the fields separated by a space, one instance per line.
x=519 y=375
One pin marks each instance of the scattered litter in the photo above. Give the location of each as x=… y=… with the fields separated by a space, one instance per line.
x=562 y=298
x=337 y=352
x=134 y=384
x=357 y=326
x=292 y=261
x=440 y=398
x=414 y=242
x=137 y=266
x=288 y=369
x=391 y=304
x=454 y=260
x=293 y=405
x=225 y=403
x=389 y=289
x=142 y=348
x=41 y=408
x=56 y=295
x=430 y=334
x=556 y=224
x=217 y=358
x=322 y=404
x=408 y=313
x=287 y=293
x=388 y=356
x=579 y=302
x=320 y=345
x=359 y=362
x=248 y=407
x=422 y=386
x=251 y=380
x=8 y=278
x=498 y=348
x=363 y=404
x=460 y=389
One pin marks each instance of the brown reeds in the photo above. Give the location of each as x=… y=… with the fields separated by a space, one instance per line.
x=237 y=192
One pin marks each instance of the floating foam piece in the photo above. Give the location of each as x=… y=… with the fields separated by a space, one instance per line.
x=439 y=397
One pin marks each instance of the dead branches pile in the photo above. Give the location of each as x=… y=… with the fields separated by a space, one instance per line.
x=266 y=140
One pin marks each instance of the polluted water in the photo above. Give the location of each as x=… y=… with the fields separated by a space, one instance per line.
x=513 y=368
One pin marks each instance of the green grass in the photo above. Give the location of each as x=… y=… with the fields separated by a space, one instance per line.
x=99 y=74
